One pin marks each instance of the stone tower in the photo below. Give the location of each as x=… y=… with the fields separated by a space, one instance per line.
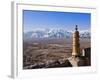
x=76 y=43
x=77 y=59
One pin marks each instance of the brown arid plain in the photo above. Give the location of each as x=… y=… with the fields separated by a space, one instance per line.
x=49 y=53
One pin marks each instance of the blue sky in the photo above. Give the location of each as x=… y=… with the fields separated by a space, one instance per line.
x=46 y=19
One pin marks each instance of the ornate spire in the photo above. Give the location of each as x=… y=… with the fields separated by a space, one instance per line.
x=76 y=43
x=76 y=28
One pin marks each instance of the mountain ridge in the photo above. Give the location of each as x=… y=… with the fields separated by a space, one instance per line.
x=55 y=33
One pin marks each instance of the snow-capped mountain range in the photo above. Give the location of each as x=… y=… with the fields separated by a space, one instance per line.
x=55 y=33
